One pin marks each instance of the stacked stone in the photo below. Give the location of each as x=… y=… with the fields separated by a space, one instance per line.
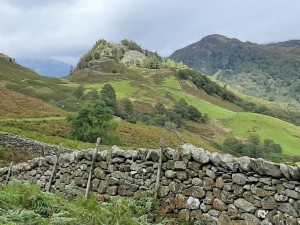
x=197 y=185
x=31 y=146
x=226 y=190
x=116 y=172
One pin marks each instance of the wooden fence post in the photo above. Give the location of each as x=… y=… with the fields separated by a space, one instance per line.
x=88 y=186
x=8 y=173
x=159 y=167
x=53 y=171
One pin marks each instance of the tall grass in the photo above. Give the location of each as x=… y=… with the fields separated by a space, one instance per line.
x=24 y=204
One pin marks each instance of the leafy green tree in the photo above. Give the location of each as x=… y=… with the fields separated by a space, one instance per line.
x=151 y=62
x=252 y=150
x=88 y=57
x=181 y=108
x=128 y=107
x=209 y=88
x=79 y=92
x=183 y=74
x=117 y=53
x=199 y=81
x=254 y=139
x=160 y=108
x=91 y=95
x=94 y=119
x=108 y=95
x=232 y=144
x=193 y=113
x=205 y=118
x=131 y=45
x=147 y=119
x=276 y=148
x=174 y=117
x=268 y=143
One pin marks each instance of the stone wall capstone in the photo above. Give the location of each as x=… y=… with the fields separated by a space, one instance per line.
x=214 y=188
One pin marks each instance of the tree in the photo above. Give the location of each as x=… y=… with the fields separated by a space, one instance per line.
x=193 y=113
x=181 y=108
x=276 y=148
x=232 y=143
x=210 y=88
x=94 y=119
x=254 y=139
x=117 y=53
x=128 y=107
x=108 y=95
x=205 y=118
x=79 y=92
x=268 y=143
x=152 y=62
x=160 y=108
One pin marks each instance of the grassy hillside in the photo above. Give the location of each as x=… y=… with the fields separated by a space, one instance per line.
x=228 y=113
x=16 y=105
x=227 y=119
x=19 y=79
x=269 y=71
x=145 y=87
x=242 y=124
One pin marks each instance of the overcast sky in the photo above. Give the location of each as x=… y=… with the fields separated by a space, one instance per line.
x=66 y=29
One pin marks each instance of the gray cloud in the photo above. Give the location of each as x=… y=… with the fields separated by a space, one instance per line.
x=66 y=29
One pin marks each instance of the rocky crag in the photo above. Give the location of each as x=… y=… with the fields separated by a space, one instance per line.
x=194 y=184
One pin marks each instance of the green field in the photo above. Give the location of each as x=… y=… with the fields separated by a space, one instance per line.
x=242 y=124
x=284 y=133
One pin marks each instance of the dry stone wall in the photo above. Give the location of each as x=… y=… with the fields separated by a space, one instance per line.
x=194 y=184
x=32 y=146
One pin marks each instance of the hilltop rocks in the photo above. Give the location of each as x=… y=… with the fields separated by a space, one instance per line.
x=133 y=55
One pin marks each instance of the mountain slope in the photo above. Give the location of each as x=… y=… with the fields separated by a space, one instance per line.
x=268 y=71
x=146 y=80
x=23 y=80
x=146 y=87
x=16 y=105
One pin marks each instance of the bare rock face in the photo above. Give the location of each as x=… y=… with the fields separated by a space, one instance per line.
x=133 y=55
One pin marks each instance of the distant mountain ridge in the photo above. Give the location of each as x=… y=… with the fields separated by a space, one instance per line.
x=268 y=71
x=46 y=67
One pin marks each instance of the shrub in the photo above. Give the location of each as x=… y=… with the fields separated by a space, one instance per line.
x=93 y=120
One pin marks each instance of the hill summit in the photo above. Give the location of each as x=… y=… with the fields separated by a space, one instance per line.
x=268 y=71
x=127 y=52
